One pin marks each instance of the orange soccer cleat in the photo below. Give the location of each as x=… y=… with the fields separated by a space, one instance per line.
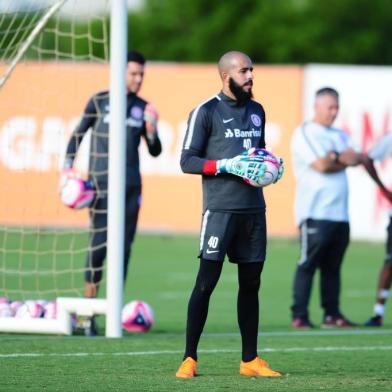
x=187 y=368
x=258 y=367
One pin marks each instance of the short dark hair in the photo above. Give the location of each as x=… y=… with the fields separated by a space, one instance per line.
x=327 y=91
x=136 y=57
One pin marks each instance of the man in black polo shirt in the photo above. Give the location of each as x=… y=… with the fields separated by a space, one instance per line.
x=219 y=129
x=141 y=123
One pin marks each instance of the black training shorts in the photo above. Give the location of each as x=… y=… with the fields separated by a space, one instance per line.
x=240 y=236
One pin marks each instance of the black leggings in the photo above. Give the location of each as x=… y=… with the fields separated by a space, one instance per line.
x=98 y=234
x=247 y=305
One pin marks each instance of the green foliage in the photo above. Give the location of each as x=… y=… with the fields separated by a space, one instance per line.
x=270 y=31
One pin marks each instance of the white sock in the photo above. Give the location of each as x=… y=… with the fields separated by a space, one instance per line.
x=379 y=309
x=383 y=293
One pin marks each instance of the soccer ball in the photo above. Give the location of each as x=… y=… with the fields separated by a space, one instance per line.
x=5 y=309
x=29 y=309
x=50 y=310
x=137 y=316
x=77 y=193
x=14 y=306
x=272 y=167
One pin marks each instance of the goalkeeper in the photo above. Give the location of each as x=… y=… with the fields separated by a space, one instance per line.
x=141 y=123
x=219 y=131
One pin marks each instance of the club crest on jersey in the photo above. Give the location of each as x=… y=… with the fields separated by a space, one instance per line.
x=256 y=120
x=136 y=112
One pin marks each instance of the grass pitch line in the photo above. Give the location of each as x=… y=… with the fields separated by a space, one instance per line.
x=205 y=351
x=320 y=332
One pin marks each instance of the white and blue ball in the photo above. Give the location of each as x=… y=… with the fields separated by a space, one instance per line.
x=77 y=193
x=5 y=308
x=137 y=316
x=272 y=164
x=29 y=309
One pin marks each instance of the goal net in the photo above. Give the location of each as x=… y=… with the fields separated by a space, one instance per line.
x=53 y=57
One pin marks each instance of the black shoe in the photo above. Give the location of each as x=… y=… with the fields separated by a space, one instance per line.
x=375 y=321
x=302 y=323
x=91 y=327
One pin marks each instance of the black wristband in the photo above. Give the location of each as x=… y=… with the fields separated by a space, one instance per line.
x=335 y=156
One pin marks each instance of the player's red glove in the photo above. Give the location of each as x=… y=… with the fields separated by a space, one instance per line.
x=151 y=118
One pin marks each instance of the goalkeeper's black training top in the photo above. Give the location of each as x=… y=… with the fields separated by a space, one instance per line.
x=222 y=128
x=96 y=116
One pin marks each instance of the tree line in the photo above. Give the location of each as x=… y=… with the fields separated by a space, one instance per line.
x=270 y=31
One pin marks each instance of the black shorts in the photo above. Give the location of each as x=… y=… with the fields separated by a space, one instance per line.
x=388 y=256
x=242 y=237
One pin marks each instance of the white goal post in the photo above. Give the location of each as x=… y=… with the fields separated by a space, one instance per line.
x=66 y=305
x=117 y=143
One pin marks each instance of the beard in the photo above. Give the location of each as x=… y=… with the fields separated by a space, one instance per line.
x=238 y=91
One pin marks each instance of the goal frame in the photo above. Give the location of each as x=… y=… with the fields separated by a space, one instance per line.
x=111 y=306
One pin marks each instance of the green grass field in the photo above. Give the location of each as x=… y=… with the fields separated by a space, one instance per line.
x=162 y=272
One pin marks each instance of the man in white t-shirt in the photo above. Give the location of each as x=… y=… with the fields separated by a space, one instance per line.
x=321 y=153
x=379 y=152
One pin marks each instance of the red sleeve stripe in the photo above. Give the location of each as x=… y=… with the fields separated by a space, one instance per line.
x=209 y=168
